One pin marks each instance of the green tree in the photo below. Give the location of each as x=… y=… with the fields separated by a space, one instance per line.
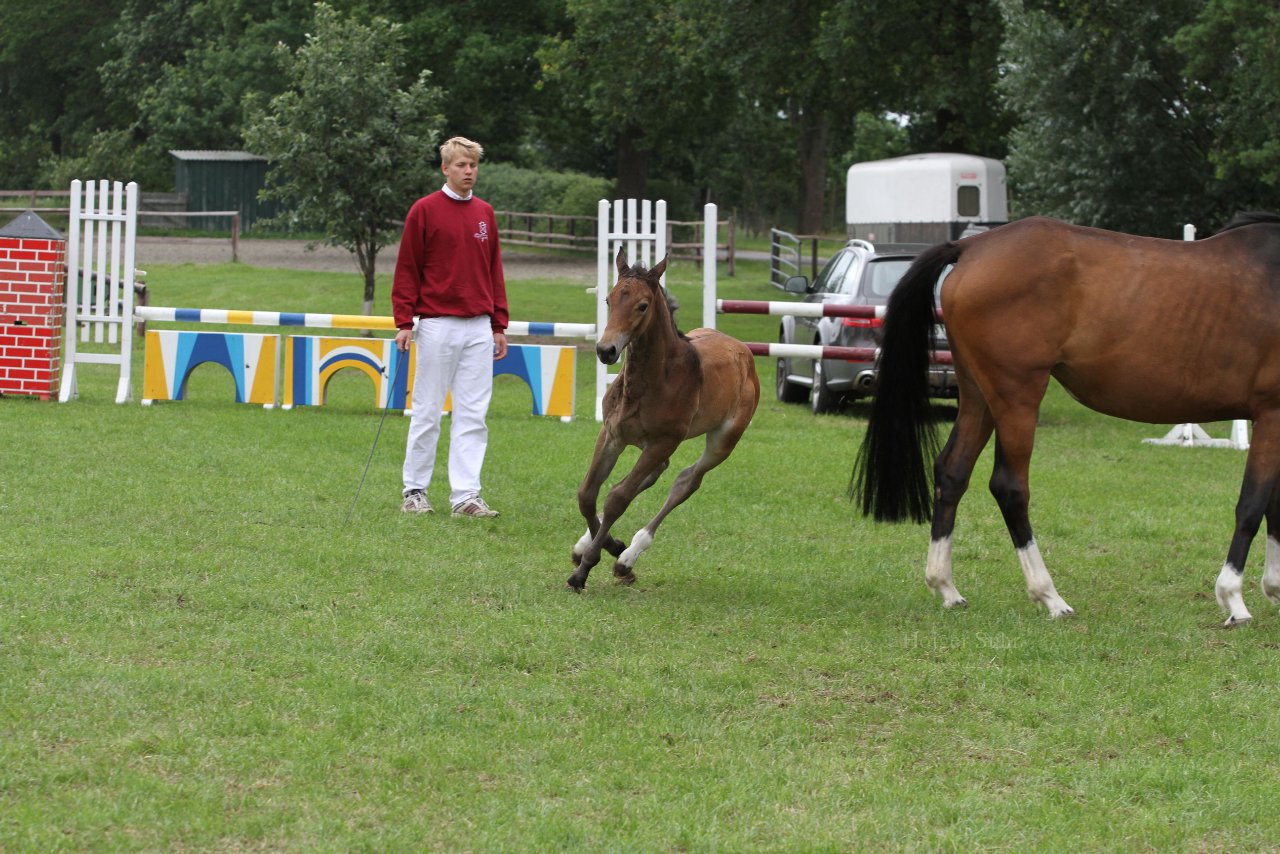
x=635 y=74
x=349 y=149
x=947 y=81
x=49 y=89
x=483 y=57
x=826 y=71
x=780 y=62
x=1110 y=133
x=1232 y=51
x=184 y=67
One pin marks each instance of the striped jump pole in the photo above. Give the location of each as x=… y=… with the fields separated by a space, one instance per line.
x=335 y=321
x=848 y=354
x=804 y=309
x=817 y=309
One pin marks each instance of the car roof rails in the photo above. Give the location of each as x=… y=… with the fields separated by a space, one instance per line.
x=901 y=248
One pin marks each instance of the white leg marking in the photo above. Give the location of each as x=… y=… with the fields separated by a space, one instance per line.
x=937 y=574
x=641 y=541
x=1271 y=575
x=580 y=547
x=1039 y=585
x=1228 y=590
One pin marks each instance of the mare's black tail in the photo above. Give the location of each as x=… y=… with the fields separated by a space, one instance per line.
x=890 y=478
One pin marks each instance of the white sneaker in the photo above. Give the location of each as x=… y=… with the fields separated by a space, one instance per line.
x=415 y=501
x=475 y=507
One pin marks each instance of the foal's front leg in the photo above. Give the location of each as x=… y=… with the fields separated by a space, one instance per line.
x=685 y=484
x=603 y=459
x=587 y=495
x=652 y=459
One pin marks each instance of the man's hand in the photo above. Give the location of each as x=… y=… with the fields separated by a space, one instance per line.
x=499 y=345
x=403 y=337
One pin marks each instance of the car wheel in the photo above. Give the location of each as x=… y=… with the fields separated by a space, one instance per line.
x=821 y=398
x=788 y=392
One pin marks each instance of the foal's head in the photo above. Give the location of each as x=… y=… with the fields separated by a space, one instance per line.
x=638 y=306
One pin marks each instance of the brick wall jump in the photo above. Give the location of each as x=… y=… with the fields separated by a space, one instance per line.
x=32 y=307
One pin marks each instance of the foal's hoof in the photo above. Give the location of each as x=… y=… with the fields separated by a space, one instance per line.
x=1236 y=622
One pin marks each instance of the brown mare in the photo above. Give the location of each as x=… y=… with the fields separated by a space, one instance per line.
x=1161 y=331
x=672 y=387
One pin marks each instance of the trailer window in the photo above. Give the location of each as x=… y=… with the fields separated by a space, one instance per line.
x=967 y=200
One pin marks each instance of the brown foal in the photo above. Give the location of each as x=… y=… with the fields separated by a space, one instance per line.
x=672 y=387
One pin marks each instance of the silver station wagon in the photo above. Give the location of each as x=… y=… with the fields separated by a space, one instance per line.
x=858 y=274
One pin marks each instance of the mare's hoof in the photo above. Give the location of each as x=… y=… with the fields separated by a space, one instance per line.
x=575 y=584
x=627 y=577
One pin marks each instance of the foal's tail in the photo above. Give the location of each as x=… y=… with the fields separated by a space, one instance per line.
x=890 y=478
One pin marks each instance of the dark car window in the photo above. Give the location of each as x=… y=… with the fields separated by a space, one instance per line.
x=883 y=275
x=829 y=280
x=848 y=284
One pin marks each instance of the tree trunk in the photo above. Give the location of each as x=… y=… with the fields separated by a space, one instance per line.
x=813 y=131
x=633 y=166
x=367 y=256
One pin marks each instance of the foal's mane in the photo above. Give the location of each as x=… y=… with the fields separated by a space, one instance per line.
x=639 y=271
x=1243 y=218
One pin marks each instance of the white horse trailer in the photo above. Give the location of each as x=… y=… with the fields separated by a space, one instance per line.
x=924 y=198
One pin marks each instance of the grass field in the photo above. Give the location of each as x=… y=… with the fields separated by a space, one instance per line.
x=197 y=654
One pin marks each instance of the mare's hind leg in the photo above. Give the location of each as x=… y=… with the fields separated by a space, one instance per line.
x=1257 y=496
x=951 y=473
x=1271 y=571
x=717 y=450
x=1015 y=433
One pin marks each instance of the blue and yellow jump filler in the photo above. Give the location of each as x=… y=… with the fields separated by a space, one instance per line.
x=171 y=355
x=310 y=361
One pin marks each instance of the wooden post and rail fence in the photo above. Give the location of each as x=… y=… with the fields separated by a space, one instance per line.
x=158 y=216
x=578 y=234
x=518 y=228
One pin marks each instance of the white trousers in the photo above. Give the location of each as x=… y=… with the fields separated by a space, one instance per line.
x=452 y=354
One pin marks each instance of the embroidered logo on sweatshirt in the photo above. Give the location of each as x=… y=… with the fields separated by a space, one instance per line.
x=483 y=234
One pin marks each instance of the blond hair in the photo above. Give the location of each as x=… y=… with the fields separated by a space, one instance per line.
x=456 y=146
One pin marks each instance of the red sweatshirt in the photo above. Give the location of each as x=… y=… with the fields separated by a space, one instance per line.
x=449 y=264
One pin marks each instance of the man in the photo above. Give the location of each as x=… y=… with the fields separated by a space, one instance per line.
x=449 y=276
